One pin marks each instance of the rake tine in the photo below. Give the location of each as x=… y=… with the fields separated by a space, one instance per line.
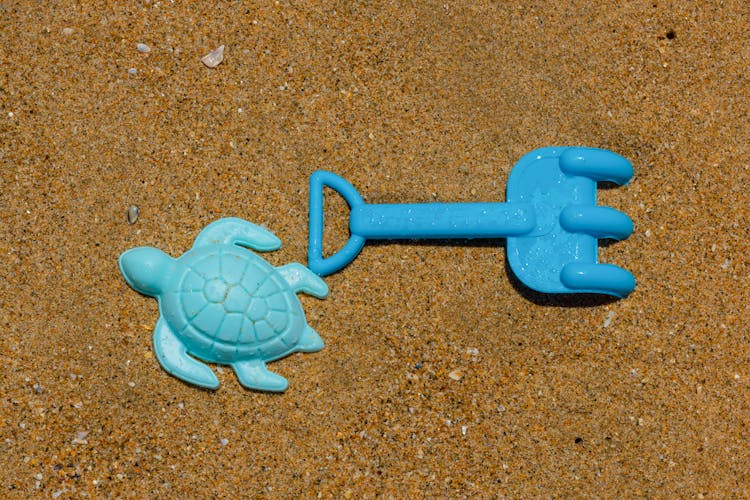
x=599 y=278
x=596 y=164
x=596 y=221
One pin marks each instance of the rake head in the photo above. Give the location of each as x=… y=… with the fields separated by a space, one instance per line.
x=560 y=254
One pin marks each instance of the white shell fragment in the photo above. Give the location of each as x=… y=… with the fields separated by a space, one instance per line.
x=132 y=214
x=142 y=47
x=213 y=58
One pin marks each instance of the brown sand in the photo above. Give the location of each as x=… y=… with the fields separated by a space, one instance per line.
x=436 y=101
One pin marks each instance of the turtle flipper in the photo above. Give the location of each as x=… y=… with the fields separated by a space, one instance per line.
x=174 y=358
x=253 y=374
x=309 y=341
x=301 y=279
x=234 y=231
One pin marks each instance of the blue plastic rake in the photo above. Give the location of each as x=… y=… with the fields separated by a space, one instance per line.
x=551 y=221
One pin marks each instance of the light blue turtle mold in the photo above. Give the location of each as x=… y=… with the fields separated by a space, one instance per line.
x=221 y=303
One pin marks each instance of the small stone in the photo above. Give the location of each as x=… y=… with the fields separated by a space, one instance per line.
x=608 y=319
x=80 y=438
x=142 y=47
x=132 y=71
x=213 y=58
x=38 y=477
x=224 y=441
x=38 y=388
x=67 y=31
x=132 y=214
x=456 y=375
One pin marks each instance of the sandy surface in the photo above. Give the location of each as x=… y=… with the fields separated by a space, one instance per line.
x=433 y=101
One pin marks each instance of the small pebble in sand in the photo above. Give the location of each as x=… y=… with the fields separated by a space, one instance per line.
x=142 y=47
x=456 y=375
x=224 y=441
x=608 y=319
x=80 y=438
x=67 y=31
x=132 y=214
x=132 y=71
x=213 y=58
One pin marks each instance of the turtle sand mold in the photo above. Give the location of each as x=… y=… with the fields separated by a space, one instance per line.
x=223 y=304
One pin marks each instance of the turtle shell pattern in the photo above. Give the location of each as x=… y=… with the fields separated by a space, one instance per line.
x=226 y=304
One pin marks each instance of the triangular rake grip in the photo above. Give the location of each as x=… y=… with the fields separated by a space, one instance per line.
x=315 y=260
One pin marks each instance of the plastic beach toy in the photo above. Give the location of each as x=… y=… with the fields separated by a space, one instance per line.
x=223 y=304
x=551 y=221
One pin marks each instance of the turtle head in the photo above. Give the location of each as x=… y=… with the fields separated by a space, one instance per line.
x=145 y=268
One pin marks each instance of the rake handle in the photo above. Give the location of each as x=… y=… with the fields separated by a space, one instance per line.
x=441 y=220
x=406 y=221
